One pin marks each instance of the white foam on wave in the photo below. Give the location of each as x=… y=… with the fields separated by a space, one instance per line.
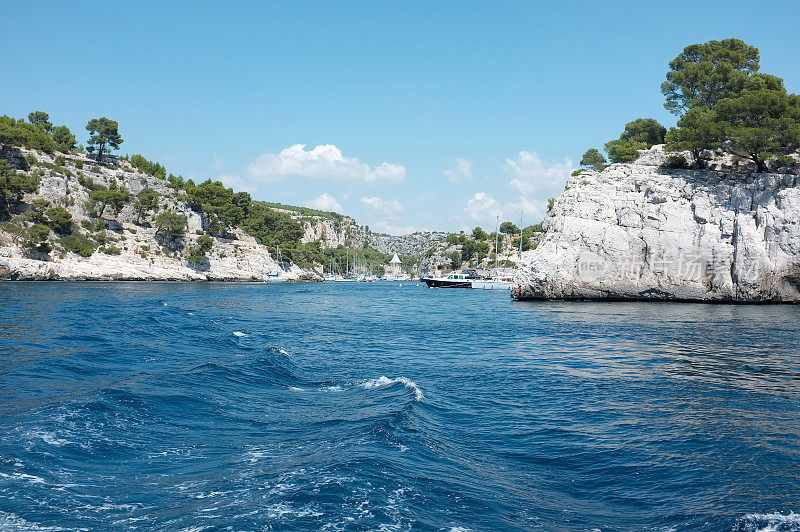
x=772 y=522
x=11 y=522
x=49 y=438
x=240 y=334
x=33 y=479
x=324 y=389
x=383 y=381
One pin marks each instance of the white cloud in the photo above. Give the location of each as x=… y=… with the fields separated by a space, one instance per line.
x=322 y=162
x=325 y=202
x=482 y=208
x=237 y=183
x=384 y=226
x=390 y=208
x=461 y=172
x=533 y=210
x=533 y=176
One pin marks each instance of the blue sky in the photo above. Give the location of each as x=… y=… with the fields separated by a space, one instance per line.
x=428 y=115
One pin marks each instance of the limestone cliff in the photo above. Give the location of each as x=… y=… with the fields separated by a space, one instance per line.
x=138 y=252
x=646 y=231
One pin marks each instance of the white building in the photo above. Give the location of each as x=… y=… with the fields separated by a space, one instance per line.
x=395 y=266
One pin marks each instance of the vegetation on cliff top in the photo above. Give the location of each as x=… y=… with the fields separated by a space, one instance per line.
x=725 y=105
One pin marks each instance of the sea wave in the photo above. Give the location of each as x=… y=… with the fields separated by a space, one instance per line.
x=383 y=381
x=771 y=522
x=13 y=523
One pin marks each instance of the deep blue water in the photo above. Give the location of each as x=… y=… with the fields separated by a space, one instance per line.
x=350 y=406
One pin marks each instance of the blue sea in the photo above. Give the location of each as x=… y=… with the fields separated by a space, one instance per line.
x=356 y=406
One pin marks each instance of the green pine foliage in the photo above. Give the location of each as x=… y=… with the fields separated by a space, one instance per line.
x=170 y=224
x=593 y=159
x=727 y=105
x=113 y=196
x=60 y=220
x=641 y=134
x=104 y=136
x=36 y=238
x=13 y=186
x=77 y=243
x=146 y=201
x=148 y=167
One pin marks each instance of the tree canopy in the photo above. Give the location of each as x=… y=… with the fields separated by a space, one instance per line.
x=593 y=159
x=760 y=124
x=40 y=119
x=148 y=167
x=704 y=74
x=641 y=134
x=479 y=234
x=13 y=186
x=36 y=237
x=64 y=139
x=102 y=197
x=104 y=136
x=146 y=201
x=509 y=228
x=170 y=224
x=698 y=132
x=728 y=105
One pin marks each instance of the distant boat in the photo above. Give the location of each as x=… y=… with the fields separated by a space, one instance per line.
x=496 y=283
x=276 y=277
x=462 y=279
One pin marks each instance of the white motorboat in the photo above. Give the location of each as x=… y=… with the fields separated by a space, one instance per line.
x=496 y=283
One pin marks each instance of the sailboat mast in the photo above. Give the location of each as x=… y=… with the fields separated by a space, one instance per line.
x=496 y=237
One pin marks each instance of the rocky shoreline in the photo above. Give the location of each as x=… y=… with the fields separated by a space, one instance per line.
x=643 y=231
x=131 y=266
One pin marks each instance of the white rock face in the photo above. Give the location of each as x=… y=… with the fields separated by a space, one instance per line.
x=643 y=231
x=239 y=259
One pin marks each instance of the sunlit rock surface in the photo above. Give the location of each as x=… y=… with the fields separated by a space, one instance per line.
x=645 y=231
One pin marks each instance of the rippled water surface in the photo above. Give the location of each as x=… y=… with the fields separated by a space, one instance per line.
x=353 y=406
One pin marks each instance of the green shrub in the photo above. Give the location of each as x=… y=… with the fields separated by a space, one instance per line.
x=677 y=161
x=196 y=255
x=60 y=220
x=205 y=243
x=88 y=183
x=624 y=150
x=170 y=223
x=78 y=244
x=148 y=167
x=88 y=225
x=79 y=165
x=111 y=250
x=36 y=236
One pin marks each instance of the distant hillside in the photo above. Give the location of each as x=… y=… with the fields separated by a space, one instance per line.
x=58 y=202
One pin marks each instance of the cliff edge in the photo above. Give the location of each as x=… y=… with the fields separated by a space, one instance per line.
x=643 y=231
